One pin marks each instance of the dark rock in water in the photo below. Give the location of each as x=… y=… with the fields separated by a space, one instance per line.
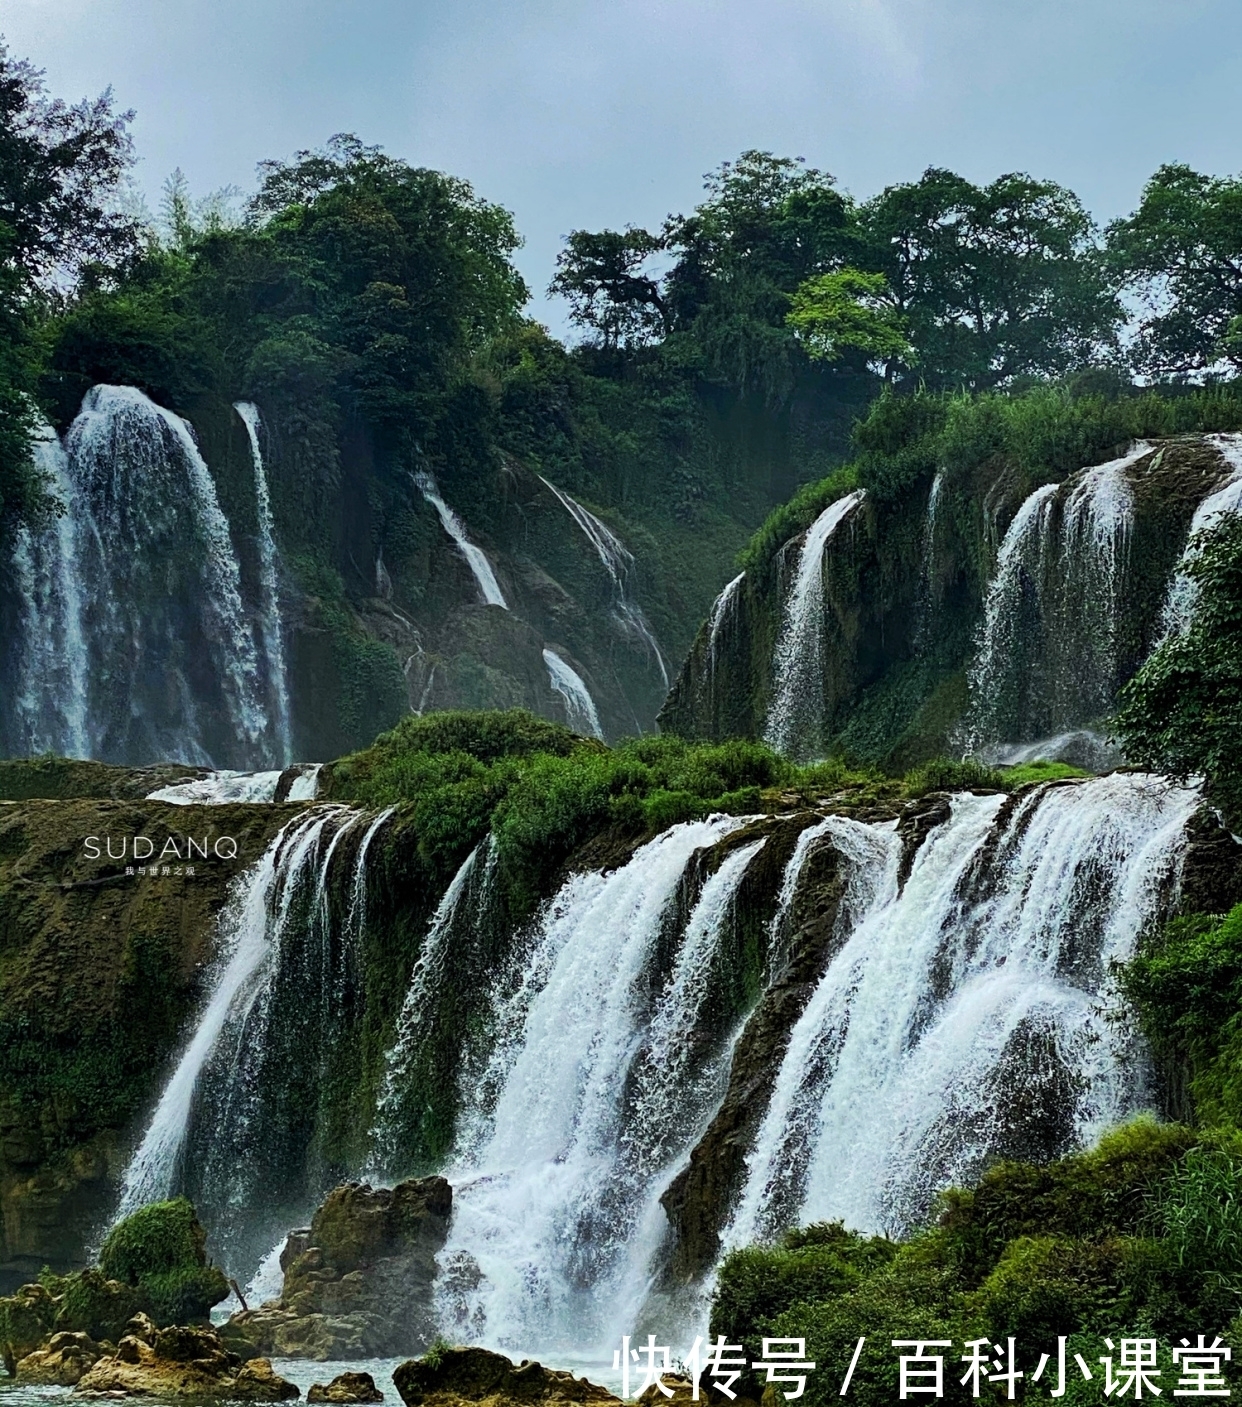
x=346 y=1387
x=182 y=1361
x=358 y=1283
x=458 y=1375
x=64 y=1361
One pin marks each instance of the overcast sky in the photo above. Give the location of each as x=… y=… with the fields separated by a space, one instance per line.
x=605 y=112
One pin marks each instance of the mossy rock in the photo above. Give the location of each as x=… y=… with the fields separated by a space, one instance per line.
x=161 y=1250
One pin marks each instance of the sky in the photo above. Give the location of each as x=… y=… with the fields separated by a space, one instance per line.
x=602 y=113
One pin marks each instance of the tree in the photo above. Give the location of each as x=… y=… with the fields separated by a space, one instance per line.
x=1182 y=251
x=1182 y=711
x=610 y=290
x=60 y=166
x=995 y=281
x=850 y=309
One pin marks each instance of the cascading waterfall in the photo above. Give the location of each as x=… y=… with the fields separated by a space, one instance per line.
x=580 y=710
x=578 y=1122
x=1183 y=591
x=51 y=670
x=961 y=1020
x=721 y=607
x=258 y=908
x=133 y=642
x=238 y=1124
x=219 y=789
x=795 y=718
x=269 y=617
x=618 y=562
x=475 y=557
x=1049 y=654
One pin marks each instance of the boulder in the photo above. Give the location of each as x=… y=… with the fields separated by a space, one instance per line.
x=182 y=1361
x=64 y=1360
x=358 y=1281
x=346 y=1387
x=26 y=1319
x=453 y=1376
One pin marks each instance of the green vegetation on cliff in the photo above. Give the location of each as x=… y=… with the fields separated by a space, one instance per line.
x=1115 y=1240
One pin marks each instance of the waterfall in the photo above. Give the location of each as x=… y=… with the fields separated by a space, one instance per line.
x=476 y=558
x=618 y=562
x=721 y=607
x=258 y=904
x=1183 y=591
x=52 y=664
x=580 y=712
x=925 y=613
x=269 y=616
x=795 y=718
x=306 y=784
x=219 y=789
x=587 y=1104
x=134 y=643
x=413 y=1050
x=1049 y=653
x=239 y=1124
x=962 y=1020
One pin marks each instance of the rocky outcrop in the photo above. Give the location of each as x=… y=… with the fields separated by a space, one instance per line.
x=62 y=1363
x=358 y=1281
x=346 y=1387
x=182 y=1362
x=454 y=1376
x=102 y=973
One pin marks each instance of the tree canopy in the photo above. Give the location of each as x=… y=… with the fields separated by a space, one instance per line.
x=1182 y=252
x=60 y=166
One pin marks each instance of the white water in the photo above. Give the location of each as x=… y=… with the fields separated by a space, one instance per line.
x=52 y=659
x=219 y=789
x=926 y=607
x=1080 y=747
x=306 y=785
x=476 y=558
x=134 y=640
x=414 y=1024
x=1183 y=591
x=580 y=711
x=618 y=562
x=1048 y=657
x=795 y=718
x=719 y=612
x=269 y=618
x=576 y=1126
x=966 y=1003
x=249 y=929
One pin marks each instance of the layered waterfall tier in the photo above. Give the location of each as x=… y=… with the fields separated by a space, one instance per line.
x=131 y=641
x=982 y=613
x=742 y=1024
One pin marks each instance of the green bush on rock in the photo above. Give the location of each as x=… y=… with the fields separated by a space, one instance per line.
x=161 y=1250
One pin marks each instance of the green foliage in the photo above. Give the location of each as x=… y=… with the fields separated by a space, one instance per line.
x=161 y=1251
x=993 y=281
x=156 y=1239
x=756 y=1284
x=796 y=516
x=1182 y=249
x=1182 y=711
x=1112 y=1241
x=941 y=774
x=850 y=309
x=59 y=170
x=1186 y=984
x=1026 y=773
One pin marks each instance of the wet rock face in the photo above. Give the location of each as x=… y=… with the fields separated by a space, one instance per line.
x=65 y=1360
x=182 y=1361
x=359 y=1281
x=459 y=1375
x=346 y=1387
